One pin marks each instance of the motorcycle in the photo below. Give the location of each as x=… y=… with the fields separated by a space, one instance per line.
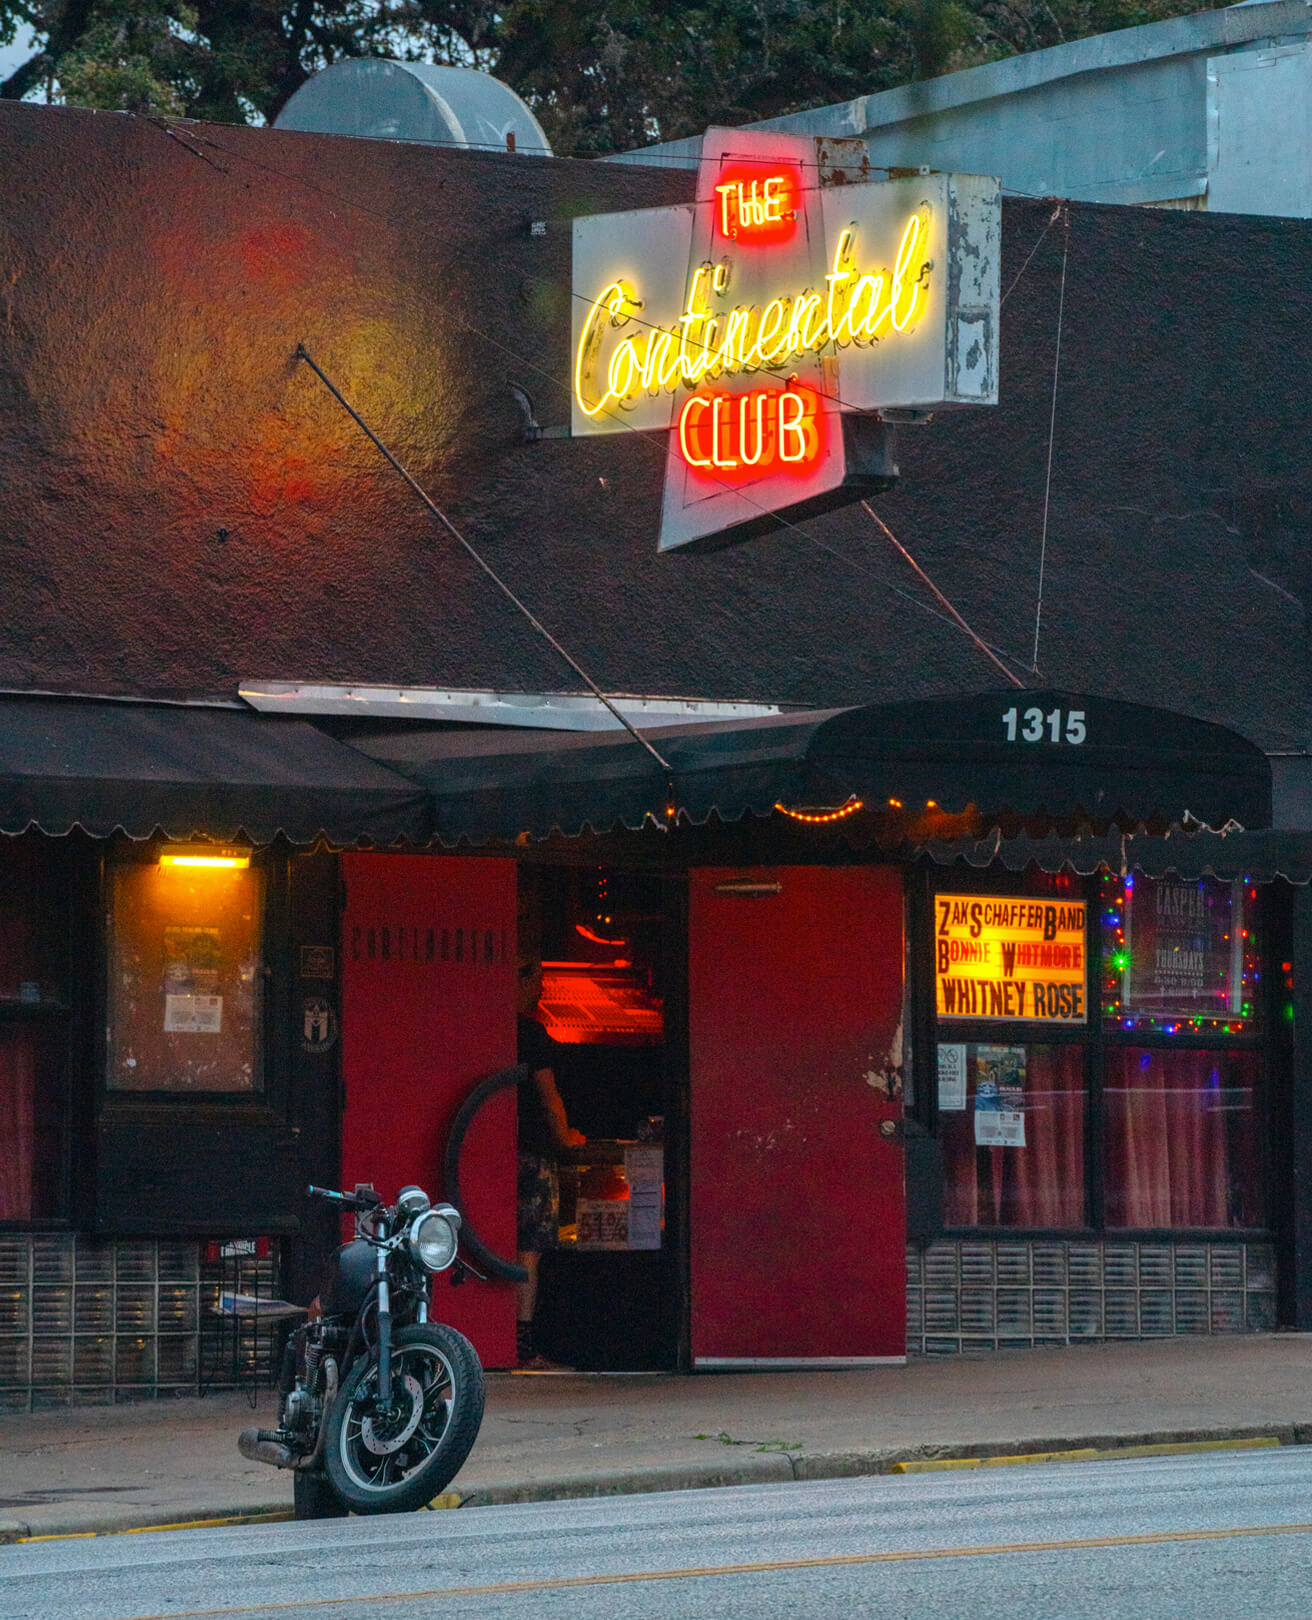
x=379 y=1407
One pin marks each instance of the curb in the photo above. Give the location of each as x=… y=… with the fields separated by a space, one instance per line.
x=1083 y=1448
x=771 y=1468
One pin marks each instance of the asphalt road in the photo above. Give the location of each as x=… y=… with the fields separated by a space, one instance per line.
x=1211 y=1536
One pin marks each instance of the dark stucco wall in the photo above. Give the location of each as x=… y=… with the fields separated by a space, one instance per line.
x=181 y=506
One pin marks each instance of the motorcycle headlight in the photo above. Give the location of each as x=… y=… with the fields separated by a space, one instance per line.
x=412 y=1201
x=434 y=1237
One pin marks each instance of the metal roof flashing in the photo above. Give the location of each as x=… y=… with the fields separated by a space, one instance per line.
x=1215 y=32
x=535 y=711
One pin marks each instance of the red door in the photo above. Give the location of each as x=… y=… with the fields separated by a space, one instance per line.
x=428 y=1009
x=797 y=1212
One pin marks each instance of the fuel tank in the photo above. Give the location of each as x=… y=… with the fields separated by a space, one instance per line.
x=351 y=1274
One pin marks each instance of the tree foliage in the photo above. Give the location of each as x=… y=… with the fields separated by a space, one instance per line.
x=602 y=75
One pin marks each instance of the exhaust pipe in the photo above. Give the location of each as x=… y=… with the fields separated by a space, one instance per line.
x=263 y=1445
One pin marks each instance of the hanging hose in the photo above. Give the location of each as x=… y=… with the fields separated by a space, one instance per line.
x=494 y=1264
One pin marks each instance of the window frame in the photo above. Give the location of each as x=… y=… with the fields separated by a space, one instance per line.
x=70 y=1016
x=1097 y=1039
x=267 y=1100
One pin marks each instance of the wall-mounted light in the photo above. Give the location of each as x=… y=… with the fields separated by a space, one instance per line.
x=210 y=856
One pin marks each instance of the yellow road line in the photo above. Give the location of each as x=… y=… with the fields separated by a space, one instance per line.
x=1172 y=1448
x=565 y=1583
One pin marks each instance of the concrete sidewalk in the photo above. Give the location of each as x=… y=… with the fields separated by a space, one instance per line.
x=80 y=1470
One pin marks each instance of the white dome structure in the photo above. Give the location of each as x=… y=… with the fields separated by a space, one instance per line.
x=383 y=100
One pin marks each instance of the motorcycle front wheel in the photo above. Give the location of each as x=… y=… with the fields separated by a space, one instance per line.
x=400 y=1463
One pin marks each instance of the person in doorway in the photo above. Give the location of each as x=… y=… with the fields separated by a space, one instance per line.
x=543 y=1132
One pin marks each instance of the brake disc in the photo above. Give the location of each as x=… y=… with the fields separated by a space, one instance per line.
x=383 y=1438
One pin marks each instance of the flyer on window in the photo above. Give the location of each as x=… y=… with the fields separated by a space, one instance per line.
x=999 y=1096
x=951 y=1078
x=193 y=1015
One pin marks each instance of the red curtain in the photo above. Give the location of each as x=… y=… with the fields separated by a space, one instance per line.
x=1181 y=1139
x=1040 y=1184
x=18 y=1144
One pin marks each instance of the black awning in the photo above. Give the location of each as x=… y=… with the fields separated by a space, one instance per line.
x=189 y=771
x=1094 y=758
x=1259 y=857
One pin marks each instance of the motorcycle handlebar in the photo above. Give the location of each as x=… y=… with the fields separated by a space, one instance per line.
x=356 y=1200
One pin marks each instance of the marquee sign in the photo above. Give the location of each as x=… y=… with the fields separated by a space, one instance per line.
x=767 y=325
x=1011 y=958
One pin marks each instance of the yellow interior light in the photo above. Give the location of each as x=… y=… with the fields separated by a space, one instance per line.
x=227 y=860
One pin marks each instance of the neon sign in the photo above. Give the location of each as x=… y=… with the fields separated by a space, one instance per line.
x=791 y=292
x=855 y=307
x=756 y=207
x=745 y=435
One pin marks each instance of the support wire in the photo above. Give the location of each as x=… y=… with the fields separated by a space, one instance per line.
x=1052 y=431
x=302 y=353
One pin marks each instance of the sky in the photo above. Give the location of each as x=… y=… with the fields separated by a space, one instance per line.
x=12 y=56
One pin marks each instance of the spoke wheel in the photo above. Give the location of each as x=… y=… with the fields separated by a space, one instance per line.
x=395 y=1461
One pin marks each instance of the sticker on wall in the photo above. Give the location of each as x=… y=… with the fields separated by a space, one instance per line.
x=193 y=1015
x=318 y=1024
x=318 y=961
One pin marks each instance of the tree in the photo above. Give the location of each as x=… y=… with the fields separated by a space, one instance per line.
x=602 y=75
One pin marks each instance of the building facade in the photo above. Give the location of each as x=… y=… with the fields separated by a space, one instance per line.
x=743 y=959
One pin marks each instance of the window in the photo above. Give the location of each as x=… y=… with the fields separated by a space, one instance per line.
x=1180 y=957
x=1148 y=1118
x=1011 y=1120
x=185 y=979
x=1182 y=1140
x=35 y=1024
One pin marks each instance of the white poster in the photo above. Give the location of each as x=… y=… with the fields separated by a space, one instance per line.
x=999 y=1127
x=193 y=1015
x=645 y=1169
x=951 y=1078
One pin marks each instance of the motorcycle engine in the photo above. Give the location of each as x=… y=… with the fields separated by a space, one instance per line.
x=301 y=1410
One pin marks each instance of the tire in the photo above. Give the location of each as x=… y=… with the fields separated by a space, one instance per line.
x=313 y=1496
x=439 y=1384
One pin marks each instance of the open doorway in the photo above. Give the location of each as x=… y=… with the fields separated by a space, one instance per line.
x=611 y=1291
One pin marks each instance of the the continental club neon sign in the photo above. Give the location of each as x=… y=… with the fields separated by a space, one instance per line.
x=1000 y=957
x=749 y=321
